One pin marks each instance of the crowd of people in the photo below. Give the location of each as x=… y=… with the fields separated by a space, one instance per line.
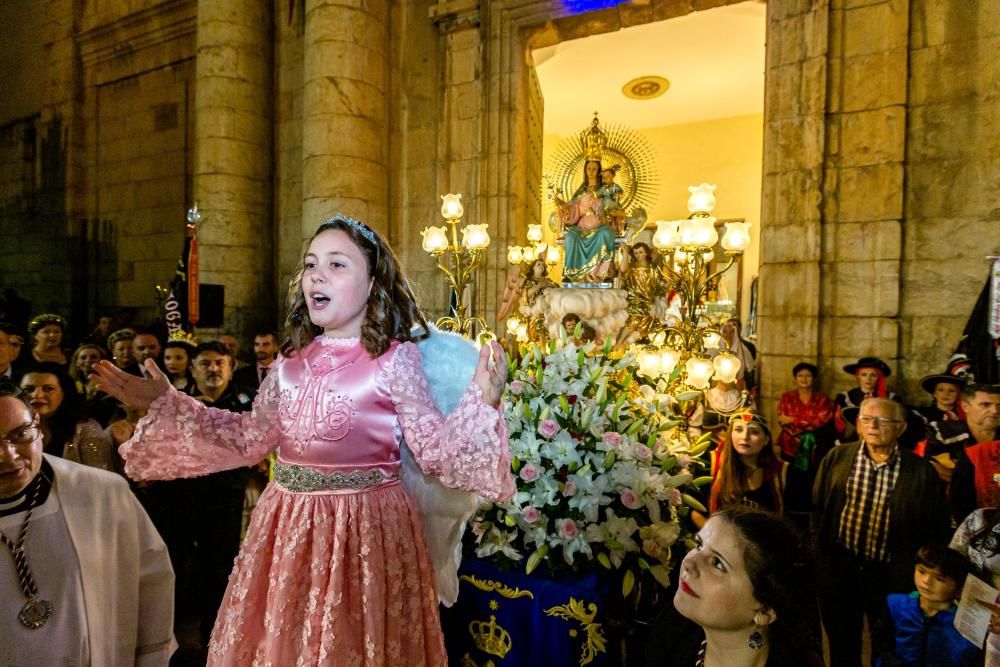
x=131 y=464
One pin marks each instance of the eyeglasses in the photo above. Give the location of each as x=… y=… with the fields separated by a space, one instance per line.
x=882 y=422
x=25 y=435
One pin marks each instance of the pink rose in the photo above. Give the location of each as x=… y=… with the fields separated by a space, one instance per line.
x=652 y=548
x=517 y=387
x=683 y=460
x=674 y=497
x=643 y=453
x=568 y=529
x=630 y=499
x=477 y=528
x=548 y=428
x=612 y=439
x=531 y=514
x=529 y=473
x=569 y=489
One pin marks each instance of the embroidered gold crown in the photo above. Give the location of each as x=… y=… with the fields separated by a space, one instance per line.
x=181 y=336
x=490 y=637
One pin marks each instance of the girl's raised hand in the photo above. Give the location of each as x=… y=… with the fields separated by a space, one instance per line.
x=491 y=372
x=133 y=391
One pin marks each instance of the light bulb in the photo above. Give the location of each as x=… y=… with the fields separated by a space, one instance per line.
x=702 y=199
x=727 y=367
x=452 y=209
x=534 y=233
x=699 y=372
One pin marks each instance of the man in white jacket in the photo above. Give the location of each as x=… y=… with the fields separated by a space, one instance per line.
x=84 y=577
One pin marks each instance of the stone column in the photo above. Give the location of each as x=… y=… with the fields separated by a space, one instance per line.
x=344 y=119
x=232 y=175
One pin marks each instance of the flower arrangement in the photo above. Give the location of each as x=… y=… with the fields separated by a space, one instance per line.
x=604 y=467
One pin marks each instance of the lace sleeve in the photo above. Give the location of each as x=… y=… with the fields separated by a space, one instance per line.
x=465 y=450
x=181 y=437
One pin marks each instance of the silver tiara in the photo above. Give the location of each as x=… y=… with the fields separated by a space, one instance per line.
x=359 y=226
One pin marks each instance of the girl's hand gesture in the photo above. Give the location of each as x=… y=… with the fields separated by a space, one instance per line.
x=491 y=373
x=133 y=391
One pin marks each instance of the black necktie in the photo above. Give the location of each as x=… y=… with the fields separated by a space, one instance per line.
x=263 y=374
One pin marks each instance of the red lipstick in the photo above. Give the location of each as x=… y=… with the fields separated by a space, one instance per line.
x=687 y=589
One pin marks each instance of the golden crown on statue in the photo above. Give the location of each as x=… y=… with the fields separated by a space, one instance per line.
x=490 y=637
x=595 y=141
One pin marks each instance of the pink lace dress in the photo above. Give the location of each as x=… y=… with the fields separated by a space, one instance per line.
x=334 y=569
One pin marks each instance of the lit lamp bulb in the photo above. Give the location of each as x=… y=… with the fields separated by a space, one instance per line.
x=669 y=359
x=452 y=209
x=666 y=236
x=435 y=239
x=514 y=254
x=712 y=340
x=737 y=236
x=534 y=233
x=699 y=372
x=522 y=332
x=727 y=367
x=540 y=249
x=475 y=237
x=702 y=199
x=701 y=232
x=512 y=324
x=687 y=232
x=649 y=363
x=552 y=256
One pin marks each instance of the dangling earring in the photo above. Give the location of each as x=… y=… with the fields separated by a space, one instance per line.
x=756 y=639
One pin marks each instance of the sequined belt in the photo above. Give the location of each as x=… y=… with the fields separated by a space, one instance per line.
x=301 y=479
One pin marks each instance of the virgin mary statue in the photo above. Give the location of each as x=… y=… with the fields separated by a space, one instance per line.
x=589 y=241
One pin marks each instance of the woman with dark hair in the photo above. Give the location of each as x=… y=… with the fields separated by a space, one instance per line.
x=84 y=358
x=53 y=396
x=745 y=469
x=746 y=598
x=48 y=330
x=177 y=358
x=805 y=415
x=335 y=567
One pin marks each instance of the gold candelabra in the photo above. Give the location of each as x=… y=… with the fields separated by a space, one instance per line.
x=459 y=262
x=686 y=250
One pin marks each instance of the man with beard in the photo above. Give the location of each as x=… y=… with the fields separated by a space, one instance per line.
x=200 y=518
x=265 y=349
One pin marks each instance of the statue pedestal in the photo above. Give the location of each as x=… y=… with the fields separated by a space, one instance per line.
x=602 y=308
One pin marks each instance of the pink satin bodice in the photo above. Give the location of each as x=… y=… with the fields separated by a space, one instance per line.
x=324 y=393
x=333 y=408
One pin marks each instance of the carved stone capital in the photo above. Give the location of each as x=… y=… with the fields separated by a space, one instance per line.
x=453 y=15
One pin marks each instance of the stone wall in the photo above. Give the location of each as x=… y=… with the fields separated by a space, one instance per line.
x=877 y=209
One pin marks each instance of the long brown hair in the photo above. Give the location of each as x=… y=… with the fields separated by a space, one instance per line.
x=392 y=310
x=732 y=481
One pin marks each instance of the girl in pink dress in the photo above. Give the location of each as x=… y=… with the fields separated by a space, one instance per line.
x=335 y=568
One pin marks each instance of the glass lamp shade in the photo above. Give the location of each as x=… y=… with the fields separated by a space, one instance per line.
x=702 y=199
x=737 y=236
x=540 y=249
x=687 y=231
x=512 y=324
x=522 y=332
x=669 y=359
x=514 y=254
x=699 y=372
x=534 y=233
x=452 y=207
x=475 y=237
x=649 y=363
x=700 y=232
x=727 y=367
x=712 y=341
x=435 y=239
x=552 y=255
x=666 y=236
x=708 y=256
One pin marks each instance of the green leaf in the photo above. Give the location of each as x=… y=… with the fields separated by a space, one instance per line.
x=702 y=481
x=628 y=583
x=643 y=565
x=668 y=463
x=609 y=460
x=545 y=413
x=636 y=425
x=687 y=395
x=607 y=345
x=699 y=448
x=693 y=502
x=564 y=404
x=515 y=463
x=510 y=521
x=651 y=440
x=661 y=575
x=603 y=559
x=536 y=558
x=581 y=356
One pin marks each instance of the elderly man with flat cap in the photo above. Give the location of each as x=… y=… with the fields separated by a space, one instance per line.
x=84 y=577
